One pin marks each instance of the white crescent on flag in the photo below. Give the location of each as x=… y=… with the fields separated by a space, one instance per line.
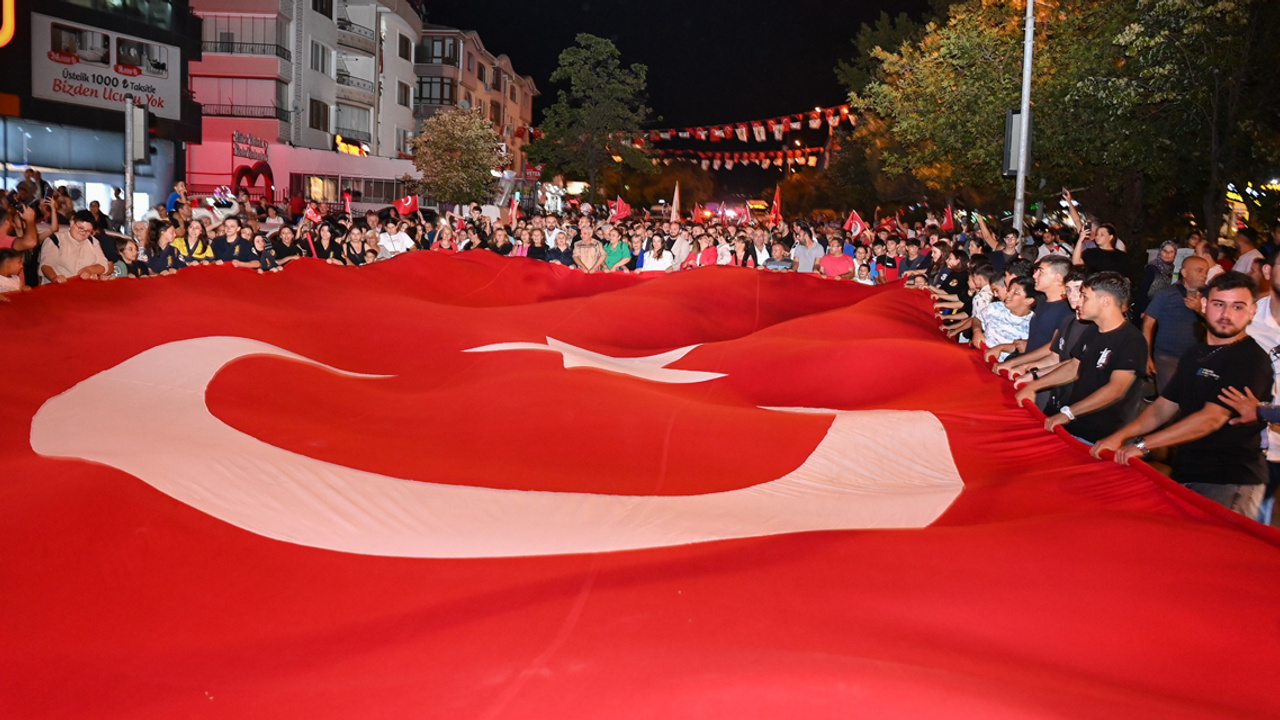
x=148 y=417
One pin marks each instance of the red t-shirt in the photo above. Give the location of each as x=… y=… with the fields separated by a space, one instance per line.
x=7 y=241
x=834 y=266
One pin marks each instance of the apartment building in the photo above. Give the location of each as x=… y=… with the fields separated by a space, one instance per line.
x=454 y=69
x=309 y=97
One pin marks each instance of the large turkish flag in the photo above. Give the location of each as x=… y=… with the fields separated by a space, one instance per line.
x=485 y=487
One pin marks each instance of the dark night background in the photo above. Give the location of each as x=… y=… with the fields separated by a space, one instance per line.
x=709 y=62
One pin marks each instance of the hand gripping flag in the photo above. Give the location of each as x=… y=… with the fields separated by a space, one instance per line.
x=854 y=225
x=510 y=489
x=312 y=213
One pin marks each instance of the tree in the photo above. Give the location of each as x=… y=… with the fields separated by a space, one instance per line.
x=593 y=119
x=1203 y=73
x=456 y=152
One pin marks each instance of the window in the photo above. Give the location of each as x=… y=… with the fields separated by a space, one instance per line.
x=321 y=58
x=497 y=79
x=467 y=98
x=404 y=141
x=353 y=122
x=495 y=113
x=438 y=51
x=471 y=62
x=404 y=94
x=324 y=7
x=483 y=75
x=319 y=115
x=436 y=91
x=515 y=94
x=406 y=48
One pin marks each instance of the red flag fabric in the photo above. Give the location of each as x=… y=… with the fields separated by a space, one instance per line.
x=312 y=213
x=513 y=210
x=346 y=202
x=697 y=214
x=619 y=210
x=948 y=222
x=517 y=490
x=775 y=210
x=854 y=224
x=406 y=205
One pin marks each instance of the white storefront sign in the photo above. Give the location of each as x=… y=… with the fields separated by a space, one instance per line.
x=83 y=65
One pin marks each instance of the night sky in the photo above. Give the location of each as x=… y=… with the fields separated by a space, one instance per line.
x=709 y=62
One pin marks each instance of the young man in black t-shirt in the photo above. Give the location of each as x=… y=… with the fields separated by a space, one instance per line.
x=1219 y=460
x=1105 y=364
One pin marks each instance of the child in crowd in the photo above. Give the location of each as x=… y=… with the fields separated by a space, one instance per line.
x=129 y=265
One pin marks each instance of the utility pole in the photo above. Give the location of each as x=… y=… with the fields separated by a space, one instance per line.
x=129 y=180
x=1024 y=120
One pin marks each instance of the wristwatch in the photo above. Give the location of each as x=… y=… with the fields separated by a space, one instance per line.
x=1141 y=444
x=1066 y=410
x=1035 y=373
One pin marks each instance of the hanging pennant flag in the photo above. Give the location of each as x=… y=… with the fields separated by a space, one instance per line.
x=717 y=134
x=728 y=132
x=715 y=164
x=812 y=160
x=758 y=129
x=832 y=116
x=854 y=224
x=844 y=114
x=777 y=127
x=742 y=133
x=815 y=120
x=706 y=164
x=701 y=133
x=795 y=121
x=665 y=134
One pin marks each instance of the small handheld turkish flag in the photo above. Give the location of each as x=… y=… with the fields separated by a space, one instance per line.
x=854 y=224
x=406 y=205
x=619 y=210
x=949 y=222
x=313 y=214
x=775 y=212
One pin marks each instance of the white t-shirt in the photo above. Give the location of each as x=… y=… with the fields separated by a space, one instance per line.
x=1266 y=333
x=1245 y=263
x=656 y=264
x=68 y=255
x=395 y=244
x=11 y=283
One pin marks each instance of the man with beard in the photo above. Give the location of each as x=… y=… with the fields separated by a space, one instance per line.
x=1217 y=459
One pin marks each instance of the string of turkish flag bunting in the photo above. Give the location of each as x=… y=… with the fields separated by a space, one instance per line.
x=771 y=129
x=475 y=486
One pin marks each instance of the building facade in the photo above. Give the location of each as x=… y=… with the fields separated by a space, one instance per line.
x=68 y=67
x=455 y=69
x=321 y=97
x=306 y=97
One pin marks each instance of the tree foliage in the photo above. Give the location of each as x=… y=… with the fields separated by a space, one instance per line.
x=603 y=101
x=1146 y=103
x=456 y=151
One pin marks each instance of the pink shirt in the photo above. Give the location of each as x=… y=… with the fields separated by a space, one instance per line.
x=836 y=265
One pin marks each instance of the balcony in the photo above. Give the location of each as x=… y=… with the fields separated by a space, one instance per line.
x=356 y=37
x=353 y=134
x=424 y=110
x=356 y=89
x=246 y=111
x=243 y=48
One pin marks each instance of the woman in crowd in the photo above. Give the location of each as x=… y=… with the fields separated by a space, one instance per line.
x=142 y=236
x=354 y=246
x=522 y=242
x=327 y=246
x=501 y=242
x=285 y=246
x=165 y=258
x=658 y=258
x=194 y=246
x=444 y=241
x=617 y=253
x=1156 y=276
x=537 y=244
x=561 y=254
x=742 y=255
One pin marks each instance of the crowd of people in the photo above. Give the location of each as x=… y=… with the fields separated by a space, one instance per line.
x=1179 y=363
